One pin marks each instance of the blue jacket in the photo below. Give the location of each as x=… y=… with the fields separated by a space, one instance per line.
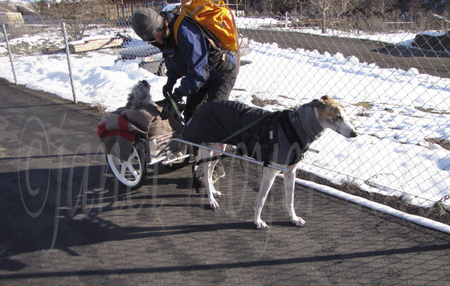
x=193 y=60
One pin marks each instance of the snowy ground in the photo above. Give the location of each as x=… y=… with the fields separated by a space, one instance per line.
x=391 y=156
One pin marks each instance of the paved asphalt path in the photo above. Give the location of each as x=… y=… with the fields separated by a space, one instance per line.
x=384 y=55
x=64 y=220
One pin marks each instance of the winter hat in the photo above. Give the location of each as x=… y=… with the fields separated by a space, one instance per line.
x=146 y=22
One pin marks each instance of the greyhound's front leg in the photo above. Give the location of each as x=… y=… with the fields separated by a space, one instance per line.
x=266 y=184
x=289 y=187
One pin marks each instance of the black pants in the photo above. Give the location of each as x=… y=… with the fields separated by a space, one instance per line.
x=218 y=87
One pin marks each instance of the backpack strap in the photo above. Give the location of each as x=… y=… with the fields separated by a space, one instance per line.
x=177 y=25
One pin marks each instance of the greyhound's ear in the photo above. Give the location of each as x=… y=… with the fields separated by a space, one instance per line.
x=318 y=103
x=325 y=97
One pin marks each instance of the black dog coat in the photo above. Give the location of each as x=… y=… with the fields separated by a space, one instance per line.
x=272 y=139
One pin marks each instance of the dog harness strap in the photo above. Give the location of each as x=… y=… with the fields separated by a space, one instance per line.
x=291 y=134
x=289 y=129
x=271 y=134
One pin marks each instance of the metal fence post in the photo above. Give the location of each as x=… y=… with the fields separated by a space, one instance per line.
x=9 y=53
x=66 y=44
x=286 y=24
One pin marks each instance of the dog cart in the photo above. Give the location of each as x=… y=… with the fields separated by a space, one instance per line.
x=135 y=138
x=167 y=149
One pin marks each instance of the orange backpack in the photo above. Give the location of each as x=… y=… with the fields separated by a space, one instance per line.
x=216 y=18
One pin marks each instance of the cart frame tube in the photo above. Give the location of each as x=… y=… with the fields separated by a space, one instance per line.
x=232 y=155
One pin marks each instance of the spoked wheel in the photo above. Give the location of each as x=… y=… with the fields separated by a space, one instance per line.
x=132 y=172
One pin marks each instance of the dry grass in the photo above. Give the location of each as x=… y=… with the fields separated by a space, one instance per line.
x=430 y=110
x=444 y=143
x=366 y=106
x=100 y=108
x=263 y=102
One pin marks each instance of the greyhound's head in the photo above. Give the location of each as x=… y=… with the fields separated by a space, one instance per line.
x=331 y=114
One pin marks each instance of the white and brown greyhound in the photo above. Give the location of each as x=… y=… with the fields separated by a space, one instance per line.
x=288 y=137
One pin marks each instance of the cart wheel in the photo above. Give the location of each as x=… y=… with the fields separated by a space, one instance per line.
x=131 y=173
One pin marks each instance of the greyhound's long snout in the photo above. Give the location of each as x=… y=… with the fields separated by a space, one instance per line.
x=353 y=134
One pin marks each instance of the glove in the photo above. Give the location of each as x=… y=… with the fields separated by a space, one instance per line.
x=168 y=87
x=168 y=110
x=177 y=96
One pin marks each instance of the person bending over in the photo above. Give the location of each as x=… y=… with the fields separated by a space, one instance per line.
x=206 y=73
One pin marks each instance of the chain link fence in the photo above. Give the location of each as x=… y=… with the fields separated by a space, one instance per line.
x=396 y=90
